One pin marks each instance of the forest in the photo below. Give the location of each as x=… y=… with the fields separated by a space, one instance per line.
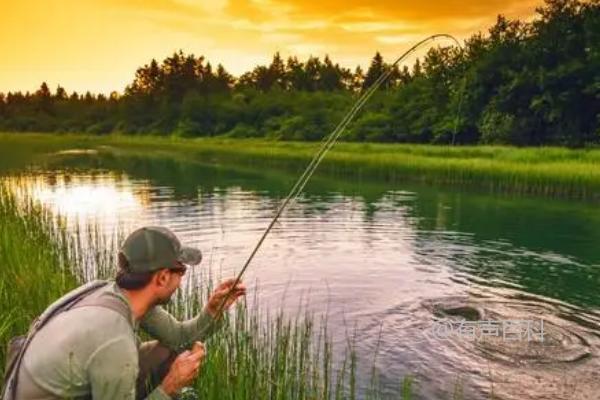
x=520 y=83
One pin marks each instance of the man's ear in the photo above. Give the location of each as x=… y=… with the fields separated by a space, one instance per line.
x=161 y=278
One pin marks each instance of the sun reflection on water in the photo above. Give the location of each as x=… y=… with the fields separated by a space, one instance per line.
x=80 y=197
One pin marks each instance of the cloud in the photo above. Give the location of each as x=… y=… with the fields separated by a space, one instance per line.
x=178 y=7
x=386 y=10
x=350 y=30
x=331 y=23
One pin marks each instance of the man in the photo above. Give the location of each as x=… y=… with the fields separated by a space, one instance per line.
x=94 y=352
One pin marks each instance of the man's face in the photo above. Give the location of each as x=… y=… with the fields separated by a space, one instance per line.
x=169 y=282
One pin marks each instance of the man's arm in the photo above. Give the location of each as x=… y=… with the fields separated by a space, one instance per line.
x=180 y=335
x=113 y=370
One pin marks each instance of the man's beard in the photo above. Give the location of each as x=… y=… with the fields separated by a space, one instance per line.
x=164 y=301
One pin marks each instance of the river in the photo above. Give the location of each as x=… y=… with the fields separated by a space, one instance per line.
x=493 y=293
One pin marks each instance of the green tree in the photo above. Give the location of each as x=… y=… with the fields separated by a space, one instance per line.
x=376 y=69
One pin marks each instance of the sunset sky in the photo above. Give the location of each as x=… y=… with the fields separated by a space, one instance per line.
x=96 y=45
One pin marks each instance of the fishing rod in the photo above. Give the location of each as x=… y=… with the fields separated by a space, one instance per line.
x=327 y=144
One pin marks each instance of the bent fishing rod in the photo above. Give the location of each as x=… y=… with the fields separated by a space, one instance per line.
x=326 y=145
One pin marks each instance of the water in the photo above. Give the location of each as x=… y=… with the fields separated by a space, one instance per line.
x=382 y=261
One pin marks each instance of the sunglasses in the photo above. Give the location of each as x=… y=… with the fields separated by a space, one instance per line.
x=179 y=269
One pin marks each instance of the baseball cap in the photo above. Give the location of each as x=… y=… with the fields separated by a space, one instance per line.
x=154 y=247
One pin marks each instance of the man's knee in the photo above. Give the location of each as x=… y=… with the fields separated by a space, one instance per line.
x=153 y=353
x=155 y=360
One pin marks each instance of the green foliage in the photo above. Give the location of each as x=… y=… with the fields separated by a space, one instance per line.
x=524 y=83
x=372 y=127
x=243 y=131
x=497 y=127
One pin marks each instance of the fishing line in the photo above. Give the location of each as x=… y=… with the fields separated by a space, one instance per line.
x=325 y=147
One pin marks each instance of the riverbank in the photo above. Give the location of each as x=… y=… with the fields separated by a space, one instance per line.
x=545 y=171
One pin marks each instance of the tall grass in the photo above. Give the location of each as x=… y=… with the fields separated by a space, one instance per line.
x=552 y=172
x=33 y=266
x=254 y=356
x=545 y=171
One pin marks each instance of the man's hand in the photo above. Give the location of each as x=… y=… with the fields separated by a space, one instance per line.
x=217 y=297
x=184 y=369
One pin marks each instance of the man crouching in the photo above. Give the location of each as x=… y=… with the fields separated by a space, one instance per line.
x=90 y=348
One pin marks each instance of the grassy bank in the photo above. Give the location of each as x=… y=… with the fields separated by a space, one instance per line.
x=253 y=356
x=33 y=270
x=552 y=172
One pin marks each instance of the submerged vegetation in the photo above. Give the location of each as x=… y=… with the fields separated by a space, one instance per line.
x=523 y=83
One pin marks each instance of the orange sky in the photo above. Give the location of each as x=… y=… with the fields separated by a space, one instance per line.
x=97 y=44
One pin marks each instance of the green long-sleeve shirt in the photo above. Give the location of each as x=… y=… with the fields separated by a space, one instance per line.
x=93 y=351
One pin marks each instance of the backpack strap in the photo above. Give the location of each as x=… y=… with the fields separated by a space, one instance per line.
x=64 y=303
x=106 y=300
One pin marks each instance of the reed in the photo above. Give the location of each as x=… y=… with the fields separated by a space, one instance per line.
x=33 y=265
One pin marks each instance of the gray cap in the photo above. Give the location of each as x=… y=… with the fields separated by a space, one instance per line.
x=154 y=247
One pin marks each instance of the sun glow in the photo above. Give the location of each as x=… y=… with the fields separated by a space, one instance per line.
x=97 y=45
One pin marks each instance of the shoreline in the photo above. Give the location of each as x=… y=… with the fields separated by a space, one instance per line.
x=553 y=172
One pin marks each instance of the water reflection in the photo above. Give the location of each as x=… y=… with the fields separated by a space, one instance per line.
x=84 y=197
x=378 y=259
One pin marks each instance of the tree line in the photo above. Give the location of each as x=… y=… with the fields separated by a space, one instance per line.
x=521 y=83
